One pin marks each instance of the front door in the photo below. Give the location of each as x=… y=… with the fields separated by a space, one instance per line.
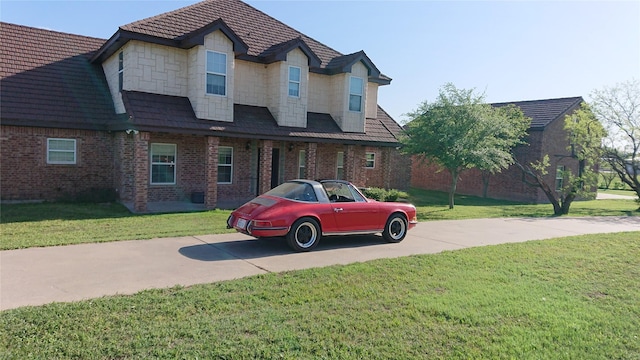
x=275 y=167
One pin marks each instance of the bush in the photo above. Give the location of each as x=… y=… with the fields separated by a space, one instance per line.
x=385 y=195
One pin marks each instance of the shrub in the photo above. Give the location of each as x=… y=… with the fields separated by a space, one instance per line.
x=385 y=195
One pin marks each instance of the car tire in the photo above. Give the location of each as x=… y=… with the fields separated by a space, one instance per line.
x=304 y=235
x=396 y=228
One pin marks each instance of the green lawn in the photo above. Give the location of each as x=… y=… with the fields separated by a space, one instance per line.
x=48 y=224
x=569 y=298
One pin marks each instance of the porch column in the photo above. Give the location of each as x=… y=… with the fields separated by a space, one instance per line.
x=265 y=166
x=140 y=171
x=349 y=163
x=310 y=161
x=211 y=175
x=386 y=167
x=354 y=165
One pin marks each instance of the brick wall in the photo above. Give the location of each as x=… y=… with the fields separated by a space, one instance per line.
x=25 y=174
x=508 y=184
x=106 y=160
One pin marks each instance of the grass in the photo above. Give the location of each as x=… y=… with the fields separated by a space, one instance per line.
x=570 y=298
x=49 y=224
x=433 y=205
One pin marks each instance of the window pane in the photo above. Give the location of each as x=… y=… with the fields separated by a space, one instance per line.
x=216 y=62
x=355 y=87
x=162 y=174
x=225 y=164
x=56 y=156
x=294 y=74
x=355 y=103
x=62 y=144
x=225 y=155
x=224 y=174
x=370 y=160
x=216 y=84
x=294 y=89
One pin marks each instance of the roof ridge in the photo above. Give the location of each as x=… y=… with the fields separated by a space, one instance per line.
x=300 y=34
x=575 y=98
x=4 y=23
x=150 y=18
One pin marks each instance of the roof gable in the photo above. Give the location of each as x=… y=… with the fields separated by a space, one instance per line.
x=184 y=41
x=543 y=112
x=279 y=52
x=265 y=38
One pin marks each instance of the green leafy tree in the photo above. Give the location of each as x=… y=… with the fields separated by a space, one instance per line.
x=618 y=108
x=460 y=131
x=584 y=134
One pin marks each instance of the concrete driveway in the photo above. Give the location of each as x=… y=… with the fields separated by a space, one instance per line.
x=38 y=276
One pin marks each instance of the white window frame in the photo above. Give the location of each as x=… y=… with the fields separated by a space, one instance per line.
x=560 y=169
x=212 y=72
x=163 y=163
x=351 y=93
x=51 y=151
x=372 y=160
x=340 y=165
x=302 y=164
x=295 y=82
x=120 y=70
x=230 y=165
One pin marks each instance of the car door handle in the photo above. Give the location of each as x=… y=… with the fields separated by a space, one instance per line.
x=337 y=209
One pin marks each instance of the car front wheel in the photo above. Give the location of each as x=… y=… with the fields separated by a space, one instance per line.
x=304 y=234
x=396 y=228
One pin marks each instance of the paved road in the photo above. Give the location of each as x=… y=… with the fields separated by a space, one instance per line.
x=38 y=276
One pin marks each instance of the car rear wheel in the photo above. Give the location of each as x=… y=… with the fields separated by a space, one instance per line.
x=396 y=228
x=304 y=234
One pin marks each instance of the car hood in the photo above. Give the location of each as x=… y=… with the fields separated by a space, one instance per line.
x=257 y=206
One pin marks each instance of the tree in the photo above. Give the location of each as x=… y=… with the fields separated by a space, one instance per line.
x=459 y=131
x=584 y=133
x=618 y=108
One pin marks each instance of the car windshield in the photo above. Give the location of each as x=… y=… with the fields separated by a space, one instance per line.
x=340 y=192
x=294 y=191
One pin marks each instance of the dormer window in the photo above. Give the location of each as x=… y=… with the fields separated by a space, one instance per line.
x=355 y=94
x=294 y=81
x=120 y=70
x=216 y=73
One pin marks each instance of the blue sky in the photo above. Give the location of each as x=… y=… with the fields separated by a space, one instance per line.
x=510 y=50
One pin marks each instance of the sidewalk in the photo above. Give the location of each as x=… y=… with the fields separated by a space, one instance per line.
x=38 y=276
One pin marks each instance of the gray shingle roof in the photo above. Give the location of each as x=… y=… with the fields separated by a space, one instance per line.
x=47 y=80
x=543 y=112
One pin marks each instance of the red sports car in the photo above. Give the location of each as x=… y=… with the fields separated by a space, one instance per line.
x=304 y=210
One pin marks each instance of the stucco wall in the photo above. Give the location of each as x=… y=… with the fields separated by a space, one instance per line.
x=349 y=121
x=211 y=107
x=251 y=86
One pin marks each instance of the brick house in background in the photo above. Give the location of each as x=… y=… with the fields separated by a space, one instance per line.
x=546 y=135
x=215 y=102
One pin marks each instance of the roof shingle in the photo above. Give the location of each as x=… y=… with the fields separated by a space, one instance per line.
x=47 y=80
x=155 y=112
x=543 y=112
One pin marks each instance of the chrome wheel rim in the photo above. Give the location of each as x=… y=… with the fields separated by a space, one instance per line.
x=306 y=235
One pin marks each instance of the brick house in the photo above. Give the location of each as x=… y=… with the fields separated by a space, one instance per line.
x=212 y=103
x=546 y=135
